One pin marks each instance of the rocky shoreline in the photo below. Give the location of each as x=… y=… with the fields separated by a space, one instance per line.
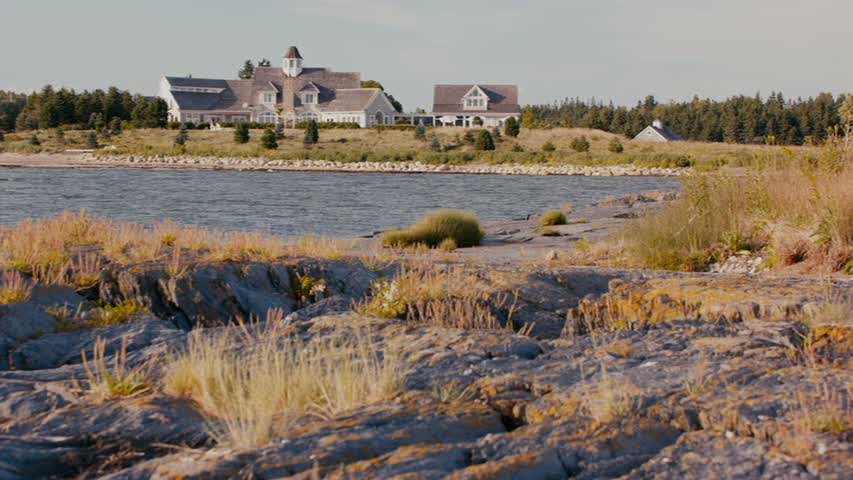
x=99 y=160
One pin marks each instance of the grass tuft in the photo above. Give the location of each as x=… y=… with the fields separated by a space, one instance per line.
x=552 y=217
x=105 y=381
x=14 y=288
x=462 y=227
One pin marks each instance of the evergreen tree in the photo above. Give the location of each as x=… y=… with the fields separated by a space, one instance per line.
x=115 y=126
x=2 y=136
x=435 y=144
x=59 y=134
x=247 y=72
x=496 y=134
x=312 y=132
x=420 y=131
x=264 y=63
x=241 y=133
x=279 y=131
x=477 y=122
x=158 y=114
x=182 y=136
x=92 y=141
x=34 y=140
x=268 y=139
x=484 y=141
x=511 y=127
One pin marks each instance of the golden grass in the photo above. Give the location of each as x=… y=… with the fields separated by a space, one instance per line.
x=552 y=217
x=794 y=214
x=14 y=287
x=434 y=228
x=105 y=381
x=610 y=400
x=251 y=381
x=113 y=314
x=369 y=144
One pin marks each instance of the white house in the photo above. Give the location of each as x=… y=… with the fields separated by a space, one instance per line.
x=463 y=105
x=290 y=94
x=657 y=132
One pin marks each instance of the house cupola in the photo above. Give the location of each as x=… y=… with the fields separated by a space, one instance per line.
x=291 y=64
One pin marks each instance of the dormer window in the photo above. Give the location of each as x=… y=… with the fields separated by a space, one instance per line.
x=269 y=97
x=309 y=98
x=475 y=99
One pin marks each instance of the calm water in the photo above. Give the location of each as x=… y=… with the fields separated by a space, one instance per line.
x=291 y=203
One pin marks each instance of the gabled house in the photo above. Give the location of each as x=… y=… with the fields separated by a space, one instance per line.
x=289 y=94
x=463 y=105
x=657 y=132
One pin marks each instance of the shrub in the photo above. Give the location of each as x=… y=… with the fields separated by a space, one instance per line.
x=435 y=144
x=580 y=144
x=2 y=136
x=548 y=147
x=615 y=146
x=115 y=126
x=182 y=136
x=511 y=127
x=477 y=122
x=59 y=134
x=268 y=140
x=549 y=232
x=312 y=133
x=92 y=141
x=553 y=217
x=517 y=148
x=484 y=141
x=462 y=227
x=420 y=131
x=241 y=133
x=469 y=137
x=279 y=131
x=496 y=134
x=34 y=140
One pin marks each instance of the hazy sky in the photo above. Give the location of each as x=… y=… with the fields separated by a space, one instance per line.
x=616 y=50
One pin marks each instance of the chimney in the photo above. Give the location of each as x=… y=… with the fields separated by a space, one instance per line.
x=657 y=124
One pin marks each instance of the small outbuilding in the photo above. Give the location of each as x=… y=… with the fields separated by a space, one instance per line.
x=657 y=132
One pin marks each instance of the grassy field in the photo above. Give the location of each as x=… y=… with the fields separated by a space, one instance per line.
x=354 y=145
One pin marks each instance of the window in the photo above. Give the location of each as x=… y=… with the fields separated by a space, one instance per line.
x=267 y=117
x=269 y=97
x=309 y=98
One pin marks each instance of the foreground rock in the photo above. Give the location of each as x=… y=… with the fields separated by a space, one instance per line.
x=627 y=374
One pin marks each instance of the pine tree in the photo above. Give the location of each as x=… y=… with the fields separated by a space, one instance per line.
x=312 y=132
x=60 y=135
x=115 y=126
x=435 y=144
x=484 y=141
x=92 y=141
x=241 y=133
x=34 y=140
x=477 y=122
x=182 y=136
x=420 y=131
x=511 y=127
x=247 y=72
x=279 y=131
x=264 y=63
x=268 y=139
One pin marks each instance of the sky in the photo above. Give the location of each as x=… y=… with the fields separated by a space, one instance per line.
x=611 y=50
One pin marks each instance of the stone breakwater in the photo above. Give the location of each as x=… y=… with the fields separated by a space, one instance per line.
x=260 y=163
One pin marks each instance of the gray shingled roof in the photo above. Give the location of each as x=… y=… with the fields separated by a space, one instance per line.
x=197 y=82
x=348 y=100
x=666 y=133
x=502 y=98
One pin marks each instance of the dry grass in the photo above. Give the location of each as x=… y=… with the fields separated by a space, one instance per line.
x=436 y=227
x=105 y=381
x=113 y=314
x=610 y=400
x=14 y=287
x=799 y=213
x=315 y=246
x=826 y=411
x=250 y=381
x=369 y=144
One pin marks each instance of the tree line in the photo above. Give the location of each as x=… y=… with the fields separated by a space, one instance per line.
x=737 y=119
x=50 y=108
